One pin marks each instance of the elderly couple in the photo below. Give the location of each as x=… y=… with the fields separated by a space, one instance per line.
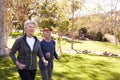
x=29 y=47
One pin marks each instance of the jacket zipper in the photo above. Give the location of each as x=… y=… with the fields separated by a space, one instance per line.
x=31 y=55
x=31 y=61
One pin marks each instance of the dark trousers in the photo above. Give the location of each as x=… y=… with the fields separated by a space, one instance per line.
x=46 y=74
x=27 y=74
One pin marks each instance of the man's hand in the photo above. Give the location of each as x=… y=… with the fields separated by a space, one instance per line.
x=58 y=58
x=47 y=55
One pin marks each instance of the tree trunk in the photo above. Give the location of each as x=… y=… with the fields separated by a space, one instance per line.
x=114 y=23
x=116 y=41
x=59 y=42
x=8 y=31
x=72 y=31
x=2 y=44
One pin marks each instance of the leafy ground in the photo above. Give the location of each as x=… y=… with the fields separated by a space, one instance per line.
x=71 y=67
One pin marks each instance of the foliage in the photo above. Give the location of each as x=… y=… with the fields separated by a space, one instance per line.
x=82 y=31
x=20 y=11
x=47 y=23
x=63 y=27
x=118 y=34
x=48 y=14
x=16 y=34
x=92 y=35
x=99 y=36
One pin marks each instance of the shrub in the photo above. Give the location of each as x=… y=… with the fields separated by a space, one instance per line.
x=82 y=31
x=92 y=35
x=99 y=36
x=105 y=39
x=16 y=34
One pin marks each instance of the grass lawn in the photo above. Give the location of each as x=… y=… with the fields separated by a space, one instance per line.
x=93 y=46
x=71 y=67
x=75 y=66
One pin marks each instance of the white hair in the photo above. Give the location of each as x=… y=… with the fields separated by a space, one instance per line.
x=28 y=22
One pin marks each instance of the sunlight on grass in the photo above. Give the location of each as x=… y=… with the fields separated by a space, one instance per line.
x=74 y=66
x=8 y=70
x=71 y=67
x=94 y=46
x=85 y=67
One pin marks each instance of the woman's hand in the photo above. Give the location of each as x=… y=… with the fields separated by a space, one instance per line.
x=45 y=62
x=20 y=65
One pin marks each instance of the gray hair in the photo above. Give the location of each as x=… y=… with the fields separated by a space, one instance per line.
x=28 y=22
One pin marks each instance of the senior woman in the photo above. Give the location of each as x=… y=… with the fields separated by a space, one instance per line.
x=28 y=47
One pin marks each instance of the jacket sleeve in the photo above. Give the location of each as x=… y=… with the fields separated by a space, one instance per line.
x=14 y=49
x=40 y=55
x=55 y=54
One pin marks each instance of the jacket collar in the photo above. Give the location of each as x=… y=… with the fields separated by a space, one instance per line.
x=24 y=36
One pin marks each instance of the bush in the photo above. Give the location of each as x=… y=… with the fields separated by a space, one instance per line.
x=118 y=34
x=105 y=39
x=82 y=31
x=96 y=36
x=16 y=34
x=92 y=35
x=99 y=36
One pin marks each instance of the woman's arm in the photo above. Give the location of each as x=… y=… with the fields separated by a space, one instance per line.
x=14 y=49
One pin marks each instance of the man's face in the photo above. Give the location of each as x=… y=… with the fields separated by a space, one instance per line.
x=47 y=34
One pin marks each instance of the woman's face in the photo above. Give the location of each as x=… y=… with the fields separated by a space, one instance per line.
x=30 y=28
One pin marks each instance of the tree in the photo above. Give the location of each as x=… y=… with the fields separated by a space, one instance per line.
x=15 y=13
x=2 y=45
x=75 y=5
x=109 y=21
x=114 y=16
x=61 y=30
x=8 y=19
x=48 y=14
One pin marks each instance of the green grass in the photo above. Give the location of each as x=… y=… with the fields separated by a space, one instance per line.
x=15 y=34
x=87 y=67
x=94 y=46
x=77 y=66
x=18 y=34
x=71 y=67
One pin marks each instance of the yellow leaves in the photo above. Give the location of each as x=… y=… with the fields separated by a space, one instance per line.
x=22 y=2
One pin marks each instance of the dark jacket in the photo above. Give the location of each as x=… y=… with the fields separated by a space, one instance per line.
x=25 y=55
